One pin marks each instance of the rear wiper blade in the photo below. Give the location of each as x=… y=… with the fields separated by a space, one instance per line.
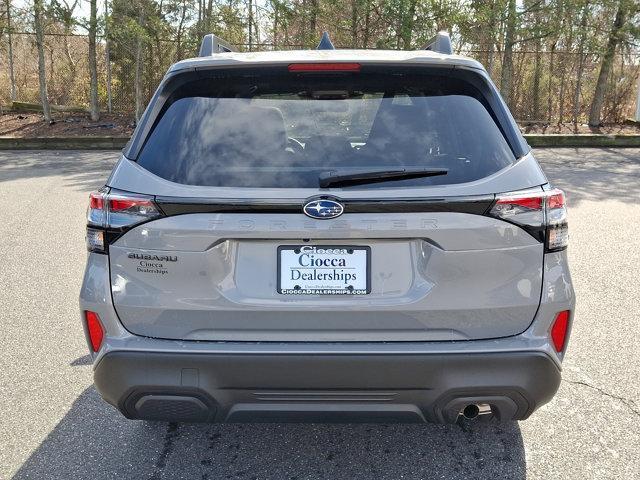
x=362 y=177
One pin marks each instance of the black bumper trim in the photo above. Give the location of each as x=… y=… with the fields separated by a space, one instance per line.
x=323 y=387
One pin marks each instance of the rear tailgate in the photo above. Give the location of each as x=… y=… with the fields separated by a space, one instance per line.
x=433 y=276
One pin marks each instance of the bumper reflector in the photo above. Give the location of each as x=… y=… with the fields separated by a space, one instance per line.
x=559 y=330
x=94 y=327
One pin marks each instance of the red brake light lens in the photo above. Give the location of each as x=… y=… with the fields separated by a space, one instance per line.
x=555 y=200
x=523 y=208
x=127 y=209
x=96 y=213
x=96 y=201
x=95 y=330
x=324 y=67
x=120 y=204
x=559 y=330
x=530 y=203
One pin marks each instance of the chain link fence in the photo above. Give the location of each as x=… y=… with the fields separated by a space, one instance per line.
x=547 y=87
x=558 y=86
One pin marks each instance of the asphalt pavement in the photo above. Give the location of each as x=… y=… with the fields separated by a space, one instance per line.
x=54 y=425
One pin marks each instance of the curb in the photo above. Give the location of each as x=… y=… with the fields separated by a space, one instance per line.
x=63 y=143
x=585 y=140
x=118 y=143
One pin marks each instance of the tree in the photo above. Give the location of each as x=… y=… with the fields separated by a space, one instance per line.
x=12 y=77
x=541 y=51
x=507 y=56
x=107 y=53
x=615 y=37
x=536 y=23
x=138 y=80
x=38 y=12
x=93 y=67
x=250 y=24
x=179 y=11
x=581 y=44
x=62 y=12
x=480 y=29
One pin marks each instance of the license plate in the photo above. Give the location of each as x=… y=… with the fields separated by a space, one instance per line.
x=324 y=270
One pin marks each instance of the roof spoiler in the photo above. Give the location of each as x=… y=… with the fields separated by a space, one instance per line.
x=441 y=43
x=213 y=44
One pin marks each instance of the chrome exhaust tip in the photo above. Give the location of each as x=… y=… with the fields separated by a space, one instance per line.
x=473 y=410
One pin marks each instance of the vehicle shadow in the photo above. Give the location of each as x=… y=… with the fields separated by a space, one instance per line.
x=94 y=441
x=83 y=170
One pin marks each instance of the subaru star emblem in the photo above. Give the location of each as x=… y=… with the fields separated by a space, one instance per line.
x=323 y=209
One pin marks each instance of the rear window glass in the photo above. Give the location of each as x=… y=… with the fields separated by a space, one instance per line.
x=287 y=131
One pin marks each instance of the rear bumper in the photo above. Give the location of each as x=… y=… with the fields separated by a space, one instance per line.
x=413 y=387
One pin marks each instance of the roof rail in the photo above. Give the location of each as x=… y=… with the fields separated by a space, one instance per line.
x=212 y=44
x=325 y=42
x=441 y=43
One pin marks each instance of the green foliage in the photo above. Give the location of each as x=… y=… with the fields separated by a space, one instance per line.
x=545 y=54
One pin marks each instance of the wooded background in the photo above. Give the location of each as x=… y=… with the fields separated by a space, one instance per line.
x=554 y=61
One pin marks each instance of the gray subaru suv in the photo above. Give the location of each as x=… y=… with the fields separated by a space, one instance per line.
x=327 y=235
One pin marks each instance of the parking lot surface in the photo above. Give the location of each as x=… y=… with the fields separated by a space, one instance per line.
x=54 y=424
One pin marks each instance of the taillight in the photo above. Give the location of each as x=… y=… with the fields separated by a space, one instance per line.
x=111 y=213
x=542 y=213
x=96 y=213
x=523 y=208
x=96 y=201
x=94 y=329
x=557 y=226
x=126 y=210
x=559 y=330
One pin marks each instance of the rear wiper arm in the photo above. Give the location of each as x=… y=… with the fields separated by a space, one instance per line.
x=334 y=179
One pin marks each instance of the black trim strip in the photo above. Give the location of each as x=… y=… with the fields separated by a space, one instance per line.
x=477 y=205
x=174 y=206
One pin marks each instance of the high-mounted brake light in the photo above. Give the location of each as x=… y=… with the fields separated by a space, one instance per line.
x=94 y=329
x=112 y=213
x=559 y=330
x=542 y=213
x=324 y=67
